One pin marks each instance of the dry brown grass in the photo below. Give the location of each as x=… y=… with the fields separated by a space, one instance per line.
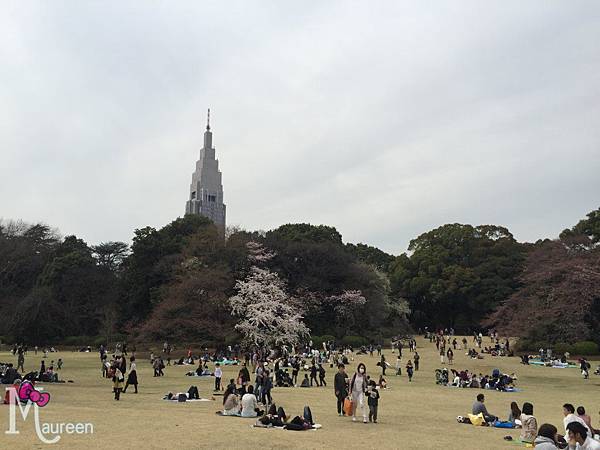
x=416 y=415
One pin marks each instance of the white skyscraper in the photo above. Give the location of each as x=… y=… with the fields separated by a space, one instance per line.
x=206 y=190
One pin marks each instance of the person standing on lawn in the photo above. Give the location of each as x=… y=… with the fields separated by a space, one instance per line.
x=340 y=387
x=358 y=387
x=218 y=375
x=373 y=400
x=409 y=370
x=132 y=377
x=117 y=379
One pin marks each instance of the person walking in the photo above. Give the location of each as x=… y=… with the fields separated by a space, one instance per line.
x=409 y=370
x=313 y=375
x=21 y=361
x=340 y=387
x=383 y=364
x=450 y=355
x=322 y=381
x=398 y=365
x=132 y=377
x=417 y=357
x=358 y=387
x=373 y=401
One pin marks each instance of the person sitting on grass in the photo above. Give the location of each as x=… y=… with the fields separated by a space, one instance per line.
x=305 y=382
x=579 y=437
x=546 y=437
x=231 y=402
x=274 y=417
x=250 y=404
x=515 y=414
x=479 y=408
x=569 y=413
x=586 y=418
x=528 y=424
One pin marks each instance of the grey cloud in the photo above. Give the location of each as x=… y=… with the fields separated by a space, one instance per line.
x=382 y=119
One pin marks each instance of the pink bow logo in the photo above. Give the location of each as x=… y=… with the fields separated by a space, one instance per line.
x=28 y=392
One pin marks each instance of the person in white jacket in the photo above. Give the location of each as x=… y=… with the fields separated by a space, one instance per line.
x=569 y=413
x=579 y=438
x=249 y=403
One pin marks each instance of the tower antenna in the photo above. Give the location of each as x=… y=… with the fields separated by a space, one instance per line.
x=208 y=121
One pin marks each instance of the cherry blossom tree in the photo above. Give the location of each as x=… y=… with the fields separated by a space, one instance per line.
x=268 y=316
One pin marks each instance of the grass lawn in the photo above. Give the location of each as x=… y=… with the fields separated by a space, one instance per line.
x=411 y=415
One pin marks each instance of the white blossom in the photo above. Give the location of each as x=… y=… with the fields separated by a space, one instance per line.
x=268 y=316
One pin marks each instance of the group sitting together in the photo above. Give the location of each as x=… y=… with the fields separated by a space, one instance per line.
x=472 y=353
x=498 y=350
x=201 y=371
x=8 y=374
x=579 y=433
x=465 y=379
x=247 y=406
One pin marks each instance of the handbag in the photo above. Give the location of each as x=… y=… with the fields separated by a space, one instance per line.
x=348 y=406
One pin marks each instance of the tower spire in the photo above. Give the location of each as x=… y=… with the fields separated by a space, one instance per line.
x=208 y=120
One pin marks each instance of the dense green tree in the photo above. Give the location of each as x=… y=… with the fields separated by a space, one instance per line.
x=456 y=274
x=304 y=232
x=589 y=227
x=24 y=252
x=194 y=302
x=110 y=254
x=151 y=265
x=319 y=268
x=67 y=297
x=372 y=256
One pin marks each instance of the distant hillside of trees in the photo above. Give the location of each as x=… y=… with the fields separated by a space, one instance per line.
x=178 y=283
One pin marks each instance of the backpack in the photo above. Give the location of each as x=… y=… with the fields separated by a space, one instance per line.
x=182 y=398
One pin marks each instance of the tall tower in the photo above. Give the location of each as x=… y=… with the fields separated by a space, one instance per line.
x=206 y=190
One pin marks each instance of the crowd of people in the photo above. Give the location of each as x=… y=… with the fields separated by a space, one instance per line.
x=465 y=379
x=578 y=430
x=357 y=394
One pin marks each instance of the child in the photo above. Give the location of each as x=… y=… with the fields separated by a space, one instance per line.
x=218 y=375
x=409 y=370
x=59 y=364
x=373 y=401
x=399 y=365
x=118 y=379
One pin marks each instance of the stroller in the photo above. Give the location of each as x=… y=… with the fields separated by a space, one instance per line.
x=441 y=376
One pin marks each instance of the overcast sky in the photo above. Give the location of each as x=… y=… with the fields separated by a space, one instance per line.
x=383 y=119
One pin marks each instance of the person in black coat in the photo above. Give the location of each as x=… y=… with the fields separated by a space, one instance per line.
x=340 y=385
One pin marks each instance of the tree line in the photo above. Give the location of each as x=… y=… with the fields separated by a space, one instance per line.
x=183 y=281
